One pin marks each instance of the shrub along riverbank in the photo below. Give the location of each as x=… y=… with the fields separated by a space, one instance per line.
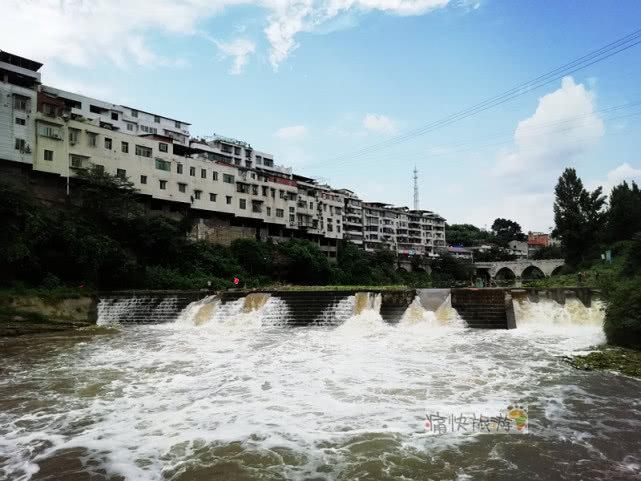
x=104 y=239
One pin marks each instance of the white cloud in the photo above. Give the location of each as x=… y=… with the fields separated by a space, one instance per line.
x=81 y=32
x=379 y=123
x=564 y=125
x=92 y=89
x=294 y=132
x=240 y=49
x=615 y=177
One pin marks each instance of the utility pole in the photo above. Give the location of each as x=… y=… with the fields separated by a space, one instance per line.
x=416 y=206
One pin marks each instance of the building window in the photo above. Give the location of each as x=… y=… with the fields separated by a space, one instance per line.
x=163 y=147
x=163 y=165
x=179 y=168
x=20 y=121
x=242 y=203
x=192 y=171
x=338 y=228
x=114 y=116
x=163 y=184
x=143 y=179
x=124 y=146
x=254 y=189
x=156 y=119
x=259 y=159
x=273 y=192
x=182 y=187
x=212 y=197
x=269 y=211
x=76 y=161
x=20 y=103
x=143 y=151
x=177 y=124
x=291 y=218
x=149 y=130
x=311 y=205
x=49 y=155
x=228 y=178
x=197 y=194
x=130 y=126
x=228 y=198
x=291 y=210
x=134 y=113
x=20 y=145
x=99 y=168
x=214 y=175
x=121 y=173
x=107 y=143
x=50 y=131
x=264 y=188
x=203 y=173
x=74 y=135
x=280 y=213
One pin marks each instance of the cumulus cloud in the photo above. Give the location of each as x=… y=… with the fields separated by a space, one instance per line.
x=563 y=126
x=379 y=123
x=624 y=172
x=240 y=49
x=294 y=132
x=81 y=32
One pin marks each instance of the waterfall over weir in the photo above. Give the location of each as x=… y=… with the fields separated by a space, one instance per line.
x=240 y=310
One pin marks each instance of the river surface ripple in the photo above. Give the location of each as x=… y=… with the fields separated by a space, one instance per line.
x=242 y=400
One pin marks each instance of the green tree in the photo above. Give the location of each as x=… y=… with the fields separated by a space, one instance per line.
x=25 y=227
x=304 y=262
x=624 y=212
x=549 y=252
x=506 y=230
x=447 y=271
x=494 y=254
x=467 y=235
x=578 y=215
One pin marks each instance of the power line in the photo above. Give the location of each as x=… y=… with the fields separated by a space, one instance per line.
x=542 y=129
x=599 y=55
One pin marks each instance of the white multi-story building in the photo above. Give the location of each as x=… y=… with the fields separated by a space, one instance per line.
x=231 y=189
x=407 y=232
x=19 y=81
x=352 y=217
x=115 y=117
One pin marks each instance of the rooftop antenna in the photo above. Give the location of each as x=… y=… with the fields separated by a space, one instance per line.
x=416 y=206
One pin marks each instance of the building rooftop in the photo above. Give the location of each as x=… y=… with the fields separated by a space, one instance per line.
x=19 y=61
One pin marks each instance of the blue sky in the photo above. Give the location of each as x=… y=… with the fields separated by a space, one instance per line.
x=312 y=81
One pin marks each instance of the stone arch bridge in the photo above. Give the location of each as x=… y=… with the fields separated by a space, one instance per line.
x=519 y=269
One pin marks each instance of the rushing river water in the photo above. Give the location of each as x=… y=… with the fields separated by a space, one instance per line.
x=226 y=393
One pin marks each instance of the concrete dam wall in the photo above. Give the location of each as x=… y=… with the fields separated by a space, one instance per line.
x=475 y=308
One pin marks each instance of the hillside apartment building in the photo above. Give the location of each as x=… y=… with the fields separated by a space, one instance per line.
x=233 y=190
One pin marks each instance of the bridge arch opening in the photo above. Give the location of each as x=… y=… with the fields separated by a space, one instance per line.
x=505 y=274
x=557 y=271
x=532 y=272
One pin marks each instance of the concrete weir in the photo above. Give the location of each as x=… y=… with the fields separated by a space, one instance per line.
x=480 y=308
x=307 y=306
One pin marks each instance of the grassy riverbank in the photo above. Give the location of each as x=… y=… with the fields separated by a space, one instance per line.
x=32 y=311
x=625 y=361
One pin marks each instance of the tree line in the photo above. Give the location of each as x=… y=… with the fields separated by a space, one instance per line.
x=587 y=224
x=103 y=238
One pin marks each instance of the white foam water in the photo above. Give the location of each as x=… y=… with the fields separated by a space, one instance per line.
x=228 y=393
x=444 y=315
